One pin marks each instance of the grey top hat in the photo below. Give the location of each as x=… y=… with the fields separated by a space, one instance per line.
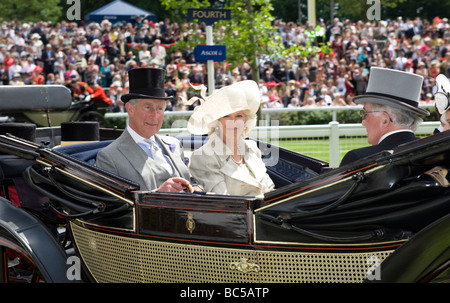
x=393 y=88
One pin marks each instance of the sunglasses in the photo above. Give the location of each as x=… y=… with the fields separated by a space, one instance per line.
x=363 y=113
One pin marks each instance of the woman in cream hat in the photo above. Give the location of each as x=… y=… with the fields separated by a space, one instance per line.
x=227 y=163
x=36 y=46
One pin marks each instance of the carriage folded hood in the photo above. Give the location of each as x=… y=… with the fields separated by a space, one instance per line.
x=34 y=98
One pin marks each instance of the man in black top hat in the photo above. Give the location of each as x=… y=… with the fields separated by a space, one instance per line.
x=139 y=154
x=391 y=111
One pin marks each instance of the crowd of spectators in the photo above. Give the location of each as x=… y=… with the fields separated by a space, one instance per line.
x=93 y=59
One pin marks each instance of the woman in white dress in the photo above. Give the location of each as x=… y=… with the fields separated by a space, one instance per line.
x=228 y=163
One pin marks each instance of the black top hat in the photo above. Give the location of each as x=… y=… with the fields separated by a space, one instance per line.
x=80 y=131
x=146 y=83
x=25 y=131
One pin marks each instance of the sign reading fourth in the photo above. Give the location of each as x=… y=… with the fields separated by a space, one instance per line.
x=208 y=15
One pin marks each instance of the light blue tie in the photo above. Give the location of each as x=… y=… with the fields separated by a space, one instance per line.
x=153 y=150
x=146 y=147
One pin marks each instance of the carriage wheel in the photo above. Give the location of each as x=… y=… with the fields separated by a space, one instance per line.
x=16 y=265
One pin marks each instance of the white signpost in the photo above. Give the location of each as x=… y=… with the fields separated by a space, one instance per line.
x=209 y=16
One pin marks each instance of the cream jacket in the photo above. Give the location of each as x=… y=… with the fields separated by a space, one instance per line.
x=213 y=168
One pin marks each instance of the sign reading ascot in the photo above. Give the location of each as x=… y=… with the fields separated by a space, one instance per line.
x=208 y=15
x=204 y=53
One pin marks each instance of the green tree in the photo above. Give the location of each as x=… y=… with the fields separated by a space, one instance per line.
x=357 y=9
x=31 y=10
x=248 y=33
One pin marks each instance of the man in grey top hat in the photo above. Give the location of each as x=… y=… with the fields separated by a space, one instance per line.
x=391 y=112
x=139 y=154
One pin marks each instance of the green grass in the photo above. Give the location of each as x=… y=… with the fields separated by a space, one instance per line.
x=319 y=148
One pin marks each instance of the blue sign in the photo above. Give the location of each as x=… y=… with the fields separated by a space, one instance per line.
x=204 y=53
x=208 y=15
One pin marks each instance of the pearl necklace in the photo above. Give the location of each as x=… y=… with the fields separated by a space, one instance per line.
x=238 y=162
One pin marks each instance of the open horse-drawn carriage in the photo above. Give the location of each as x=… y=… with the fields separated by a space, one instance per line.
x=384 y=218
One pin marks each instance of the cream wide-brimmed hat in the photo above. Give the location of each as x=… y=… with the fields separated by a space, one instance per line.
x=239 y=96
x=393 y=88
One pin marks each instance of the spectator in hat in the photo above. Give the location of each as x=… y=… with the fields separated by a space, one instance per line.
x=140 y=154
x=37 y=77
x=144 y=53
x=84 y=49
x=36 y=46
x=228 y=163
x=16 y=80
x=409 y=67
x=15 y=68
x=391 y=111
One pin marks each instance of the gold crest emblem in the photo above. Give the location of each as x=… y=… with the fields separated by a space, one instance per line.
x=244 y=266
x=190 y=223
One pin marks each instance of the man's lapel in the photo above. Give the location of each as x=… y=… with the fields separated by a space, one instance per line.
x=172 y=151
x=152 y=173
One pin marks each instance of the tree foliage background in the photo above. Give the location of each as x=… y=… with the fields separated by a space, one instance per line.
x=31 y=10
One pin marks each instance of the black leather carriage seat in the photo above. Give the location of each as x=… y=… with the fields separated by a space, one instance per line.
x=86 y=152
x=13 y=186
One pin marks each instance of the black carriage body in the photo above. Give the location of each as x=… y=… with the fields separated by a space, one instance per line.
x=325 y=228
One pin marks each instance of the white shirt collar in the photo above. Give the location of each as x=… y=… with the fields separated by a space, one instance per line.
x=136 y=137
x=394 y=132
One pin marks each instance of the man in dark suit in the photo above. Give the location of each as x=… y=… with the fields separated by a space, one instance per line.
x=137 y=36
x=391 y=111
x=49 y=58
x=4 y=77
x=140 y=154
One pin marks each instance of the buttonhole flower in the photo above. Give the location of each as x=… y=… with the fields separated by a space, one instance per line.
x=172 y=147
